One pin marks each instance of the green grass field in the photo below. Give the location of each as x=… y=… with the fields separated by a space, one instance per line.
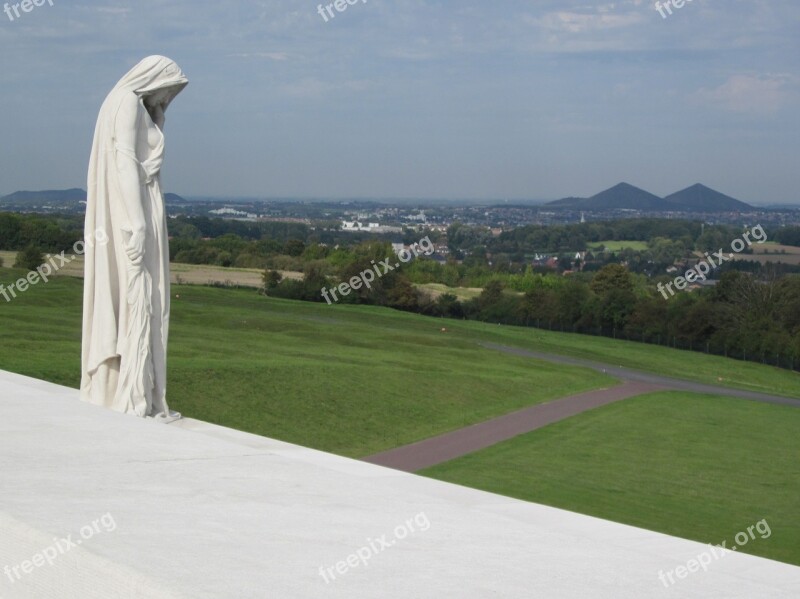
x=688 y=365
x=682 y=364
x=351 y=380
x=695 y=466
x=348 y=379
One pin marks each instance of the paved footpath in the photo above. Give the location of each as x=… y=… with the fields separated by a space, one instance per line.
x=627 y=374
x=414 y=457
x=442 y=448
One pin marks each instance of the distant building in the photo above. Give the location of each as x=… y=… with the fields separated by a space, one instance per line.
x=369 y=228
x=232 y=213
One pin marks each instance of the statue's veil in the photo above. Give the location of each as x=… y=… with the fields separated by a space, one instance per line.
x=103 y=299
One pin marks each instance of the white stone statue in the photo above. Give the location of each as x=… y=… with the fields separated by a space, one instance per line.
x=126 y=287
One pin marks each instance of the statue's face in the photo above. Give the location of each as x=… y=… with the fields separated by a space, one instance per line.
x=157 y=98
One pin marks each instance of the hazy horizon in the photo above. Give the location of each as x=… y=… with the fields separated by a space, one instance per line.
x=376 y=199
x=421 y=99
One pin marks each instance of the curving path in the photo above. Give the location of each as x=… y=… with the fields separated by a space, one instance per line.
x=628 y=374
x=448 y=446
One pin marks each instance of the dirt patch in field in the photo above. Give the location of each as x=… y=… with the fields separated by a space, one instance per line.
x=182 y=274
x=462 y=293
x=772 y=252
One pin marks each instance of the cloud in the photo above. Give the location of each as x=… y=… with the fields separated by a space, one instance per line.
x=615 y=27
x=748 y=93
x=109 y=10
x=311 y=87
x=267 y=55
x=578 y=22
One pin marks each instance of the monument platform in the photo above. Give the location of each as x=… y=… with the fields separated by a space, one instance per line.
x=95 y=504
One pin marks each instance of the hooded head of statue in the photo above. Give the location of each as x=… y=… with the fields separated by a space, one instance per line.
x=156 y=80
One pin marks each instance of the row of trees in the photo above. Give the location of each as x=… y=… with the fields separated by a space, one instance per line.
x=47 y=233
x=393 y=288
x=577 y=237
x=521 y=241
x=754 y=315
x=297 y=246
x=788 y=236
x=742 y=316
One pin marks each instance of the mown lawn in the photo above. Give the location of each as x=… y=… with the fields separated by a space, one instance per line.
x=694 y=366
x=666 y=361
x=694 y=466
x=348 y=380
x=352 y=380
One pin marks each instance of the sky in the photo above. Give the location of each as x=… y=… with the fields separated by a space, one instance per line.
x=450 y=99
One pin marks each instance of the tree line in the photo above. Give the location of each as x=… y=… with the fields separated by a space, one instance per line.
x=744 y=316
x=753 y=313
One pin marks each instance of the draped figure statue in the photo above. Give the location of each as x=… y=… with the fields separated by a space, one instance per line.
x=126 y=286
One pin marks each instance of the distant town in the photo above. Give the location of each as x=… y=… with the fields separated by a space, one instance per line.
x=622 y=201
x=612 y=264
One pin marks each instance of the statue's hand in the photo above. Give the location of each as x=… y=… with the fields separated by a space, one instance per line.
x=135 y=246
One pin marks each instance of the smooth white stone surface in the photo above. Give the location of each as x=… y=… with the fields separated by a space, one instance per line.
x=202 y=511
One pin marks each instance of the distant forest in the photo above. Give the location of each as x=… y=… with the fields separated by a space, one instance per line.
x=753 y=313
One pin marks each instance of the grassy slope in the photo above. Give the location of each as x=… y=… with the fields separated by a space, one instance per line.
x=695 y=466
x=688 y=365
x=343 y=379
x=694 y=366
x=348 y=379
